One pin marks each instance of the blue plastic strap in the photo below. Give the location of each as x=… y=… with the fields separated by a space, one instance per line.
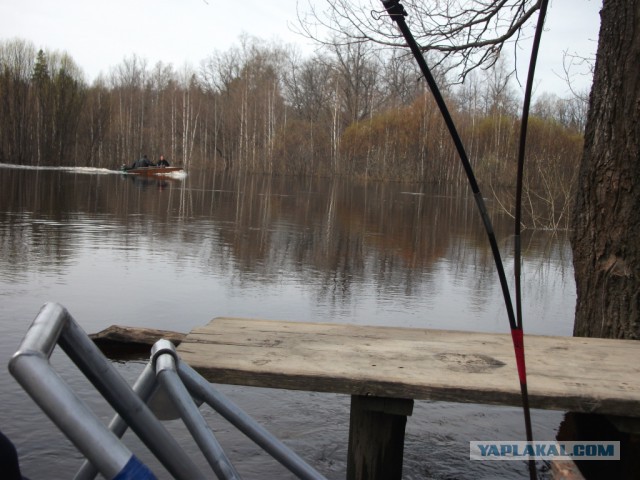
x=135 y=470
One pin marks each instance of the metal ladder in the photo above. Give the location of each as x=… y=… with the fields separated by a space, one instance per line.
x=167 y=386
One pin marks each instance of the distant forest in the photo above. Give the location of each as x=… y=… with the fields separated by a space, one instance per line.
x=264 y=108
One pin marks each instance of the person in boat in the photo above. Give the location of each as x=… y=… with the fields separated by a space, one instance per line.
x=162 y=162
x=140 y=163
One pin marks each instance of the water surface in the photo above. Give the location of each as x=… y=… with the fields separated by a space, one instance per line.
x=177 y=252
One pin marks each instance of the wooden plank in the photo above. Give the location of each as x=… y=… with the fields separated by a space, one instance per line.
x=565 y=373
x=117 y=334
x=126 y=343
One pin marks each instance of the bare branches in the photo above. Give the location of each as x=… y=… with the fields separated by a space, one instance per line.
x=573 y=66
x=465 y=34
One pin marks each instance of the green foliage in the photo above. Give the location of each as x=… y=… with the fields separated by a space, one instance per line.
x=41 y=69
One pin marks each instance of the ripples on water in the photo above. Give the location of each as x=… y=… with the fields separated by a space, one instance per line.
x=174 y=253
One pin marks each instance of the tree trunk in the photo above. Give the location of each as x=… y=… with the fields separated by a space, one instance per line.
x=606 y=234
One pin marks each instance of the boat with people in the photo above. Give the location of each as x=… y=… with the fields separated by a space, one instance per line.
x=146 y=167
x=151 y=170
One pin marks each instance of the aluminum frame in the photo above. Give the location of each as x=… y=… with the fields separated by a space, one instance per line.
x=164 y=380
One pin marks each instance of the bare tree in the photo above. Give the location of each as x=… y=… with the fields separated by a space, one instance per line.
x=16 y=66
x=400 y=79
x=129 y=80
x=357 y=75
x=465 y=34
x=68 y=94
x=308 y=86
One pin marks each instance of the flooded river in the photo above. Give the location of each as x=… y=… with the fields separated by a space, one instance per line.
x=175 y=253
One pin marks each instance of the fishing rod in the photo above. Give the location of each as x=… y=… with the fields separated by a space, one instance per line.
x=521 y=154
x=518 y=210
x=397 y=13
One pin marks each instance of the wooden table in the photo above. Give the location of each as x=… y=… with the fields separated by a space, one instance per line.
x=386 y=368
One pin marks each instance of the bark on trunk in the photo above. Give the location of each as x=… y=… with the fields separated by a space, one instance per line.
x=606 y=234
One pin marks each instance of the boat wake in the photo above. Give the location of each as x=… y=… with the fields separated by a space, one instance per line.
x=179 y=175
x=85 y=170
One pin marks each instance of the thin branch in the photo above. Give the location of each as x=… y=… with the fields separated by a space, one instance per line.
x=465 y=34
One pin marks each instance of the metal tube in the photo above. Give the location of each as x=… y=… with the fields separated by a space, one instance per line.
x=69 y=413
x=144 y=387
x=31 y=368
x=45 y=330
x=86 y=355
x=201 y=388
x=164 y=357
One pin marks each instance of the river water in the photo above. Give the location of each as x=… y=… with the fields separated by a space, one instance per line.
x=177 y=252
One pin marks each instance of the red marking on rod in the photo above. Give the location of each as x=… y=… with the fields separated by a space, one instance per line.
x=518 y=345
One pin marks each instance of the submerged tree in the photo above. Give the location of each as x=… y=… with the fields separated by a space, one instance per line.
x=465 y=34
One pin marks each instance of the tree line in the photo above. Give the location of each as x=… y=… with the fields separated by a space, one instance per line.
x=265 y=108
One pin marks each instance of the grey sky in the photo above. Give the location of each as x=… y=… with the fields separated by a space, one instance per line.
x=99 y=35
